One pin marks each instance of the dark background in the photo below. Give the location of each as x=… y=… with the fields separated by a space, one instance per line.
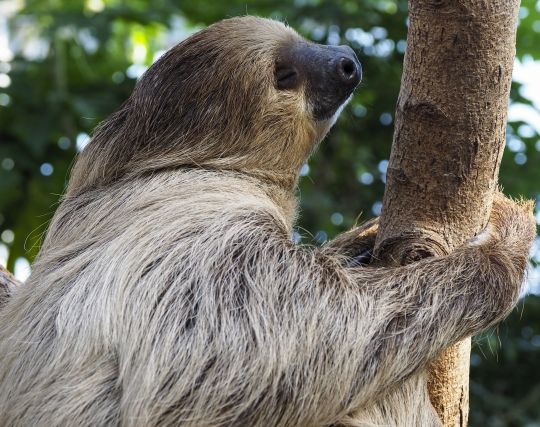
x=66 y=65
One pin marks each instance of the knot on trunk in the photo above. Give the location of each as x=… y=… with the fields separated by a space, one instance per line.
x=408 y=247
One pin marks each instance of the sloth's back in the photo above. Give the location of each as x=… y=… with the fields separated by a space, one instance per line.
x=120 y=315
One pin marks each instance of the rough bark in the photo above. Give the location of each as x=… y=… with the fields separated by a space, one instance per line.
x=448 y=142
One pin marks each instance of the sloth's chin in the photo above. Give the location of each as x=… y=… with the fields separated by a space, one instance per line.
x=332 y=118
x=324 y=125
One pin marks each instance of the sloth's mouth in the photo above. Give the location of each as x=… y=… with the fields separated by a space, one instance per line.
x=330 y=111
x=332 y=117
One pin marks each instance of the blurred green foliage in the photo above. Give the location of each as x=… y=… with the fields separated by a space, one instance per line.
x=72 y=62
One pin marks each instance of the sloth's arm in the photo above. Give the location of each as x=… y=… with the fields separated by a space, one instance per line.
x=351 y=333
x=271 y=333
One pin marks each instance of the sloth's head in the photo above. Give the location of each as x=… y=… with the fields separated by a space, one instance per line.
x=245 y=94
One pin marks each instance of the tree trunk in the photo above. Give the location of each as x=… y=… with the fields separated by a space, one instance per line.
x=448 y=142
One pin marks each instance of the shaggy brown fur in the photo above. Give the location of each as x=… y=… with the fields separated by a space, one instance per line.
x=169 y=292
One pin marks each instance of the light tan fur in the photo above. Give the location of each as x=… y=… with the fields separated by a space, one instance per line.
x=7 y=285
x=169 y=292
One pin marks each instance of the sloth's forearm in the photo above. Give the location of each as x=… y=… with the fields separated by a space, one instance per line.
x=363 y=330
x=426 y=307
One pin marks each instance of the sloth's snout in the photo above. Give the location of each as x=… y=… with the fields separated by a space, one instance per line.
x=349 y=70
x=332 y=80
x=328 y=74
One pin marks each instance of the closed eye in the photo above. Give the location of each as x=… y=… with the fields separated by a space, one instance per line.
x=286 y=78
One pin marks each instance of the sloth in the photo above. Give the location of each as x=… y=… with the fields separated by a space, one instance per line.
x=7 y=284
x=169 y=291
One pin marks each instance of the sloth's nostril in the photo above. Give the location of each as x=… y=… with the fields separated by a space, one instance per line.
x=347 y=69
x=286 y=78
x=348 y=66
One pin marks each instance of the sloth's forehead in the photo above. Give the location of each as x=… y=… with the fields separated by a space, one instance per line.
x=245 y=35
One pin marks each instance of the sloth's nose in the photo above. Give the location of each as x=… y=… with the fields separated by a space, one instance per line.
x=349 y=70
x=329 y=74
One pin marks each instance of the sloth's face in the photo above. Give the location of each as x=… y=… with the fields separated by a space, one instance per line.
x=326 y=74
x=245 y=94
